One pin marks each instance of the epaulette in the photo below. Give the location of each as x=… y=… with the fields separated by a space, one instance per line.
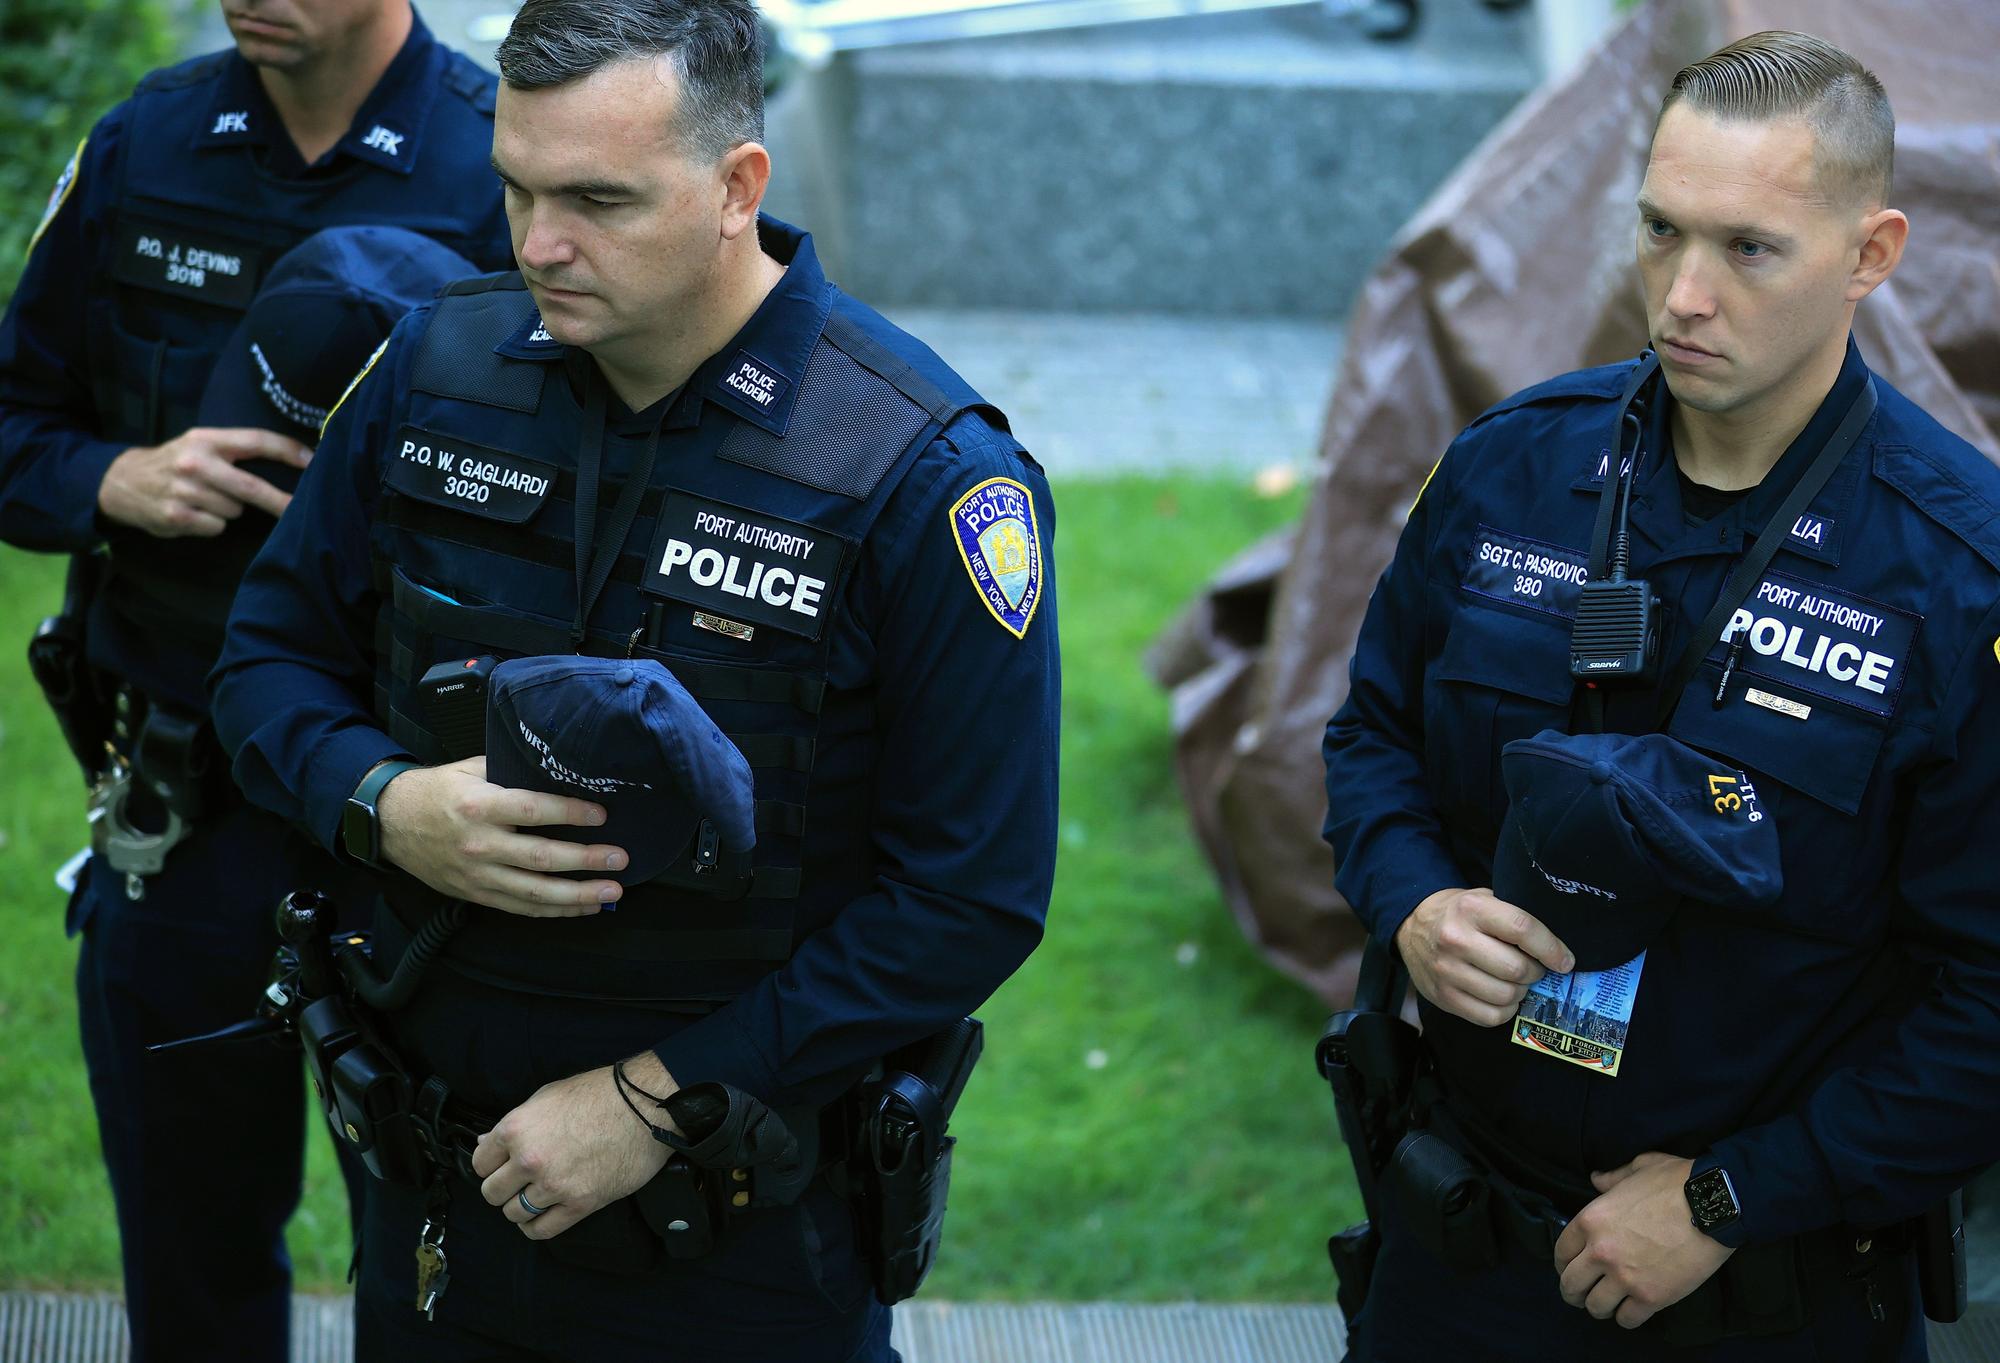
x=193 y=71
x=1604 y=381
x=466 y=79
x=1962 y=494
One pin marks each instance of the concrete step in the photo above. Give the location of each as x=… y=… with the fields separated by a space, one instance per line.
x=48 y=1327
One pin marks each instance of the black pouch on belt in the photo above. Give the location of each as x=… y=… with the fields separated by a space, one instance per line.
x=1444 y=1201
x=901 y=1167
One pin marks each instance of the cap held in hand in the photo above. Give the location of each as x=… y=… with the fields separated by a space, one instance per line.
x=320 y=313
x=1606 y=834
x=625 y=735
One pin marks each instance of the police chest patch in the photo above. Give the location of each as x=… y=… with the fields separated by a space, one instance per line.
x=744 y=565
x=1525 y=572
x=186 y=262
x=1830 y=643
x=444 y=470
x=1001 y=546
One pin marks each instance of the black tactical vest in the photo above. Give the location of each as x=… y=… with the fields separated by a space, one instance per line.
x=191 y=236
x=475 y=555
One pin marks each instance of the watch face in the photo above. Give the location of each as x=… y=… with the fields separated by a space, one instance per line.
x=357 y=831
x=1711 y=1199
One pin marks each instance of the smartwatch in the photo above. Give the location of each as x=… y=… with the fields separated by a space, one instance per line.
x=1711 y=1198
x=360 y=826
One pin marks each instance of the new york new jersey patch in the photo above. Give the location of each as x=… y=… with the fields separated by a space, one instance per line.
x=1001 y=546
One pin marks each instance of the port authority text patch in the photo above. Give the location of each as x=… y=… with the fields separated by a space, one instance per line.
x=447 y=471
x=186 y=262
x=1001 y=547
x=1831 y=643
x=744 y=565
x=1525 y=572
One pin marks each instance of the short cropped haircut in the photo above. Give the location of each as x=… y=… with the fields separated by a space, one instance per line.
x=717 y=47
x=1776 y=74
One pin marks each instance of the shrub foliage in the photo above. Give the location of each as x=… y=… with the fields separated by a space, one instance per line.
x=62 y=64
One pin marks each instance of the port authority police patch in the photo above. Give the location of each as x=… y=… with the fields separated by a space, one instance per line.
x=1001 y=547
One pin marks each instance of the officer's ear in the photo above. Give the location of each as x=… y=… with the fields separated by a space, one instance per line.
x=746 y=174
x=1883 y=233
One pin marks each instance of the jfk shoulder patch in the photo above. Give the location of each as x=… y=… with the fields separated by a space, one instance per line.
x=1001 y=547
x=64 y=184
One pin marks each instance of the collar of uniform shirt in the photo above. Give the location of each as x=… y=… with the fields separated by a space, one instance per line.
x=1727 y=529
x=387 y=129
x=779 y=337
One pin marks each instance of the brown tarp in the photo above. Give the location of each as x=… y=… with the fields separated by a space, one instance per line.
x=1521 y=267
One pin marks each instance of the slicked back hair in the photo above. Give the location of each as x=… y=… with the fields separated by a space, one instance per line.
x=716 y=46
x=1776 y=74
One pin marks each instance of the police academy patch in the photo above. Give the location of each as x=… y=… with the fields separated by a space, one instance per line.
x=1001 y=547
x=1830 y=643
x=1525 y=572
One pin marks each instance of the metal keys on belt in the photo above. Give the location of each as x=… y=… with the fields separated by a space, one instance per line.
x=433 y=1270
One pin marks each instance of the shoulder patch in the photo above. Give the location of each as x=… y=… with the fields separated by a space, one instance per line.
x=65 y=182
x=353 y=384
x=1001 y=547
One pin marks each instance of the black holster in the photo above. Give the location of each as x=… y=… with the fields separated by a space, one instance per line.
x=1940 y=1244
x=57 y=655
x=899 y=1172
x=1369 y=1057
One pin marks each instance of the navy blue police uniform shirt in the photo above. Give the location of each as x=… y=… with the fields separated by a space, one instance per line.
x=218 y=171
x=961 y=825
x=1834 y=1053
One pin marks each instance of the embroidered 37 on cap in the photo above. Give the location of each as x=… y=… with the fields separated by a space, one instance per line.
x=1001 y=547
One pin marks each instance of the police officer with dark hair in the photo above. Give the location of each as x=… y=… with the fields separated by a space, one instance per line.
x=667 y=438
x=1673 y=1103
x=158 y=236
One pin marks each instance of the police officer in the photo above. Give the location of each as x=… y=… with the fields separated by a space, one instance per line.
x=156 y=239
x=669 y=438
x=1797 y=1079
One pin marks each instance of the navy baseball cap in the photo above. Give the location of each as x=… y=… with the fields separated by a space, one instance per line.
x=626 y=735
x=320 y=313
x=1606 y=834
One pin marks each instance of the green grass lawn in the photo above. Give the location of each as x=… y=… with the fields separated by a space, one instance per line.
x=1146 y=1123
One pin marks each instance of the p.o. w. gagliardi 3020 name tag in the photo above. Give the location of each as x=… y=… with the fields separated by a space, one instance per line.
x=444 y=470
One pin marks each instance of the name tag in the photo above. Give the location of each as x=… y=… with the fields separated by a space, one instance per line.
x=744 y=565
x=1831 y=643
x=1525 y=572
x=447 y=471
x=186 y=262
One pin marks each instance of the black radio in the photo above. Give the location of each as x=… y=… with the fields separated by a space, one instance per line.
x=1616 y=635
x=453 y=697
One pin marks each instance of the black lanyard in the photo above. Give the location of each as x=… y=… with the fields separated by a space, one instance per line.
x=595 y=559
x=1750 y=570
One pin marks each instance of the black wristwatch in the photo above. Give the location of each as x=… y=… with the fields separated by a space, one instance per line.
x=360 y=828
x=1711 y=1197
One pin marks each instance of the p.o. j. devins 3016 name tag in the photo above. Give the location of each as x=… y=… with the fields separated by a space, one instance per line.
x=1581 y=1017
